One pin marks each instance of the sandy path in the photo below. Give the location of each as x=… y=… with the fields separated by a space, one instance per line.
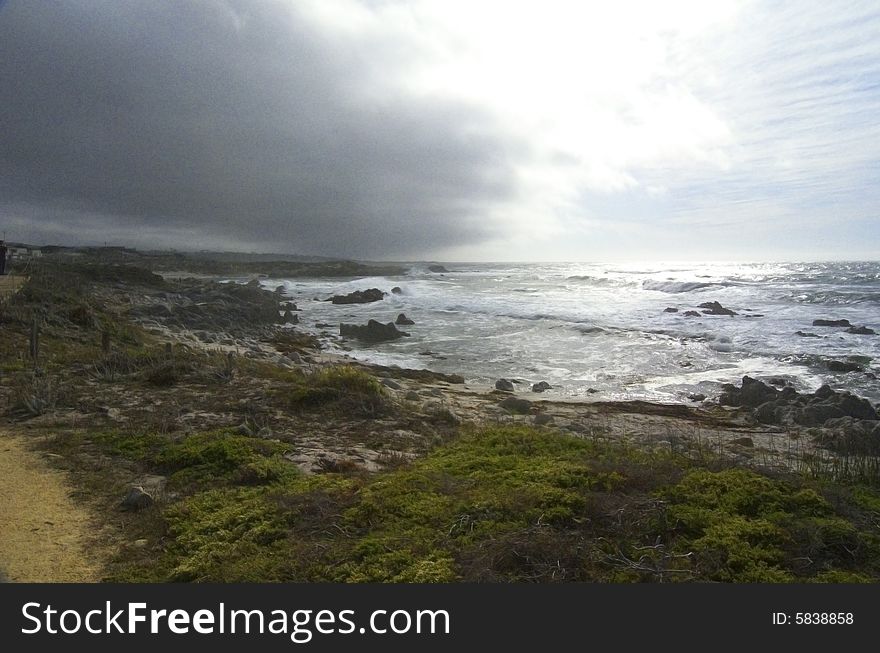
x=44 y=535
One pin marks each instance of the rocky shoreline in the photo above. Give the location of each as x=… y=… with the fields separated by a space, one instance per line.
x=836 y=421
x=183 y=406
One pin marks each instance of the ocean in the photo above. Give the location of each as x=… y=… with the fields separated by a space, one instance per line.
x=602 y=331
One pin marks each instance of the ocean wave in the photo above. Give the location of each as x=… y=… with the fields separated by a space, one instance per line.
x=835 y=297
x=596 y=281
x=676 y=287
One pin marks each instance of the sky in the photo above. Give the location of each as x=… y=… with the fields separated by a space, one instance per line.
x=454 y=130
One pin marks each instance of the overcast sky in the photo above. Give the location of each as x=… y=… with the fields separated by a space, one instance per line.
x=445 y=129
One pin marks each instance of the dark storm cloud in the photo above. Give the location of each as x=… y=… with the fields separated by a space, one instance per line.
x=231 y=120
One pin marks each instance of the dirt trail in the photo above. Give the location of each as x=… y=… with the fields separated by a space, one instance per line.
x=44 y=534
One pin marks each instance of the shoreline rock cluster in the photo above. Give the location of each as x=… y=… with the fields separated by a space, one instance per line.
x=851 y=423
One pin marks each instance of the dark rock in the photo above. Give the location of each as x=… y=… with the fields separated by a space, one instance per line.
x=541 y=386
x=516 y=405
x=697 y=397
x=670 y=310
x=137 y=499
x=543 y=418
x=854 y=406
x=714 y=308
x=788 y=392
x=397 y=290
x=504 y=384
x=843 y=366
x=373 y=331
x=824 y=392
x=832 y=323
x=359 y=297
x=816 y=414
x=691 y=314
x=768 y=413
x=388 y=383
x=752 y=394
x=592 y=391
x=804 y=334
x=412 y=395
x=862 y=331
x=290 y=318
x=849 y=436
x=403 y=320
x=437 y=268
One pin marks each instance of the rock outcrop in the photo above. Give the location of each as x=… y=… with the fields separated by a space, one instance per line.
x=842 y=412
x=402 y=319
x=359 y=297
x=137 y=499
x=516 y=405
x=504 y=385
x=714 y=308
x=372 y=332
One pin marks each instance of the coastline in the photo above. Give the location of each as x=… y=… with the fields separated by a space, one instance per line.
x=155 y=406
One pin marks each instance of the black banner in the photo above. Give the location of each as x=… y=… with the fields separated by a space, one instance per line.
x=432 y=617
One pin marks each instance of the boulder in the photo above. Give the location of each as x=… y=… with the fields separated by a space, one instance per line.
x=373 y=331
x=137 y=499
x=542 y=419
x=504 y=385
x=824 y=392
x=752 y=394
x=714 y=308
x=817 y=414
x=853 y=406
x=437 y=268
x=691 y=314
x=849 y=436
x=403 y=320
x=806 y=334
x=769 y=413
x=832 y=323
x=388 y=383
x=516 y=405
x=862 y=331
x=359 y=297
x=670 y=310
x=412 y=395
x=541 y=386
x=843 y=366
x=290 y=318
x=697 y=397
x=397 y=290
